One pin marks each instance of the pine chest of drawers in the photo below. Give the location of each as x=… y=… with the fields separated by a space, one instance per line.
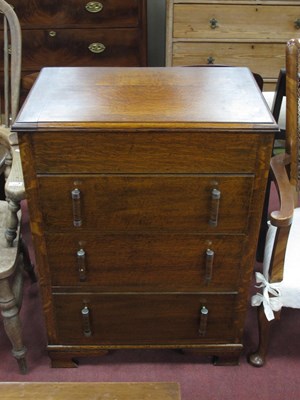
x=229 y=32
x=145 y=189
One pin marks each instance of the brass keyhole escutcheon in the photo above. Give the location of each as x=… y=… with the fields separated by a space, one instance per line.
x=97 y=48
x=94 y=6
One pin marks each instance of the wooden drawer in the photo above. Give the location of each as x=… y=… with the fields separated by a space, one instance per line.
x=151 y=203
x=135 y=319
x=70 y=47
x=235 y=21
x=261 y=57
x=149 y=152
x=155 y=263
x=56 y=13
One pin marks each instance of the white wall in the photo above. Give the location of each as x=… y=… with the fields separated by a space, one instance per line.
x=156 y=32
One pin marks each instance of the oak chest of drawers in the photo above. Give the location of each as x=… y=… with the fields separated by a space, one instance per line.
x=239 y=33
x=145 y=189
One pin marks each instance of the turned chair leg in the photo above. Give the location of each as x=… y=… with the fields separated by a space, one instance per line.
x=258 y=358
x=12 y=323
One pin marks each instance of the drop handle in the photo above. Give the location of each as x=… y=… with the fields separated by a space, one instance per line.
x=209 y=262
x=203 y=321
x=214 y=207
x=86 y=322
x=81 y=262
x=76 y=202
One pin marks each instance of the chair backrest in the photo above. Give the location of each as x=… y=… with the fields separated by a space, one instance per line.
x=285 y=166
x=12 y=55
x=292 y=110
x=10 y=74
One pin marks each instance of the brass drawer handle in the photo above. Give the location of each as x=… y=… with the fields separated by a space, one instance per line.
x=203 y=321
x=210 y=60
x=52 y=33
x=213 y=23
x=86 y=322
x=81 y=262
x=214 y=207
x=76 y=199
x=297 y=23
x=94 y=6
x=209 y=262
x=97 y=48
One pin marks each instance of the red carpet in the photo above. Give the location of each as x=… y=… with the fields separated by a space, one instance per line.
x=198 y=378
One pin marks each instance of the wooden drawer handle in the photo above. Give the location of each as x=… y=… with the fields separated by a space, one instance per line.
x=76 y=199
x=203 y=321
x=86 y=322
x=97 y=48
x=210 y=254
x=214 y=208
x=81 y=261
x=94 y=6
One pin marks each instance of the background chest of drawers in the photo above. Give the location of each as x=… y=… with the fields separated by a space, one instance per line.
x=81 y=33
x=145 y=193
x=244 y=33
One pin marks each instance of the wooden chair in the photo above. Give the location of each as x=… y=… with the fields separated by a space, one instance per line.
x=13 y=254
x=3 y=154
x=280 y=281
x=277 y=104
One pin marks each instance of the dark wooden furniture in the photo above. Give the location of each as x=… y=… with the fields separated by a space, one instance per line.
x=280 y=281
x=80 y=33
x=145 y=189
x=89 y=390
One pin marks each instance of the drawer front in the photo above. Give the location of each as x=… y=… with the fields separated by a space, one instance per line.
x=143 y=319
x=146 y=203
x=77 y=47
x=212 y=21
x=148 y=152
x=107 y=13
x=118 y=263
x=263 y=58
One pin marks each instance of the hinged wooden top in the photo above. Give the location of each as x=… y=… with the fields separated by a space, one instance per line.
x=167 y=97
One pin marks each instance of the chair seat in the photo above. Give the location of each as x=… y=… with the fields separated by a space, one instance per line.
x=287 y=292
x=8 y=254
